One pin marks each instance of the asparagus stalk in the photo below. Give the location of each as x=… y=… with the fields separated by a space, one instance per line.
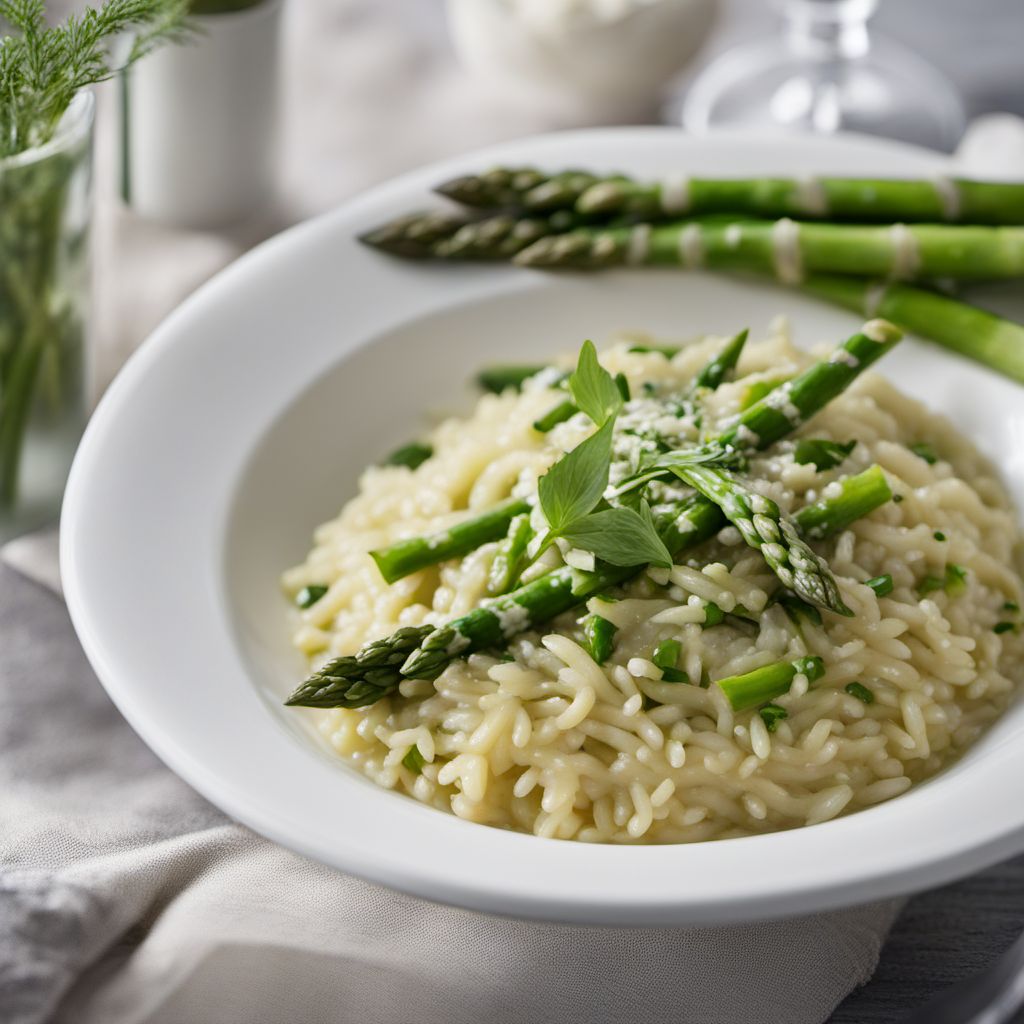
x=956 y=325
x=788 y=248
x=599 y=634
x=862 y=494
x=684 y=526
x=858 y=199
x=451 y=237
x=722 y=365
x=510 y=558
x=415 y=553
x=763 y=526
x=497 y=379
x=762 y=685
x=356 y=680
x=524 y=186
x=565 y=410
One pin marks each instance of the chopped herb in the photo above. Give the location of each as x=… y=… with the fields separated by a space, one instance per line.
x=497 y=379
x=649 y=387
x=861 y=692
x=881 y=585
x=308 y=596
x=823 y=454
x=953 y=581
x=1011 y=606
x=897 y=498
x=925 y=451
x=666 y=657
x=623 y=385
x=1003 y=627
x=713 y=615
x=599 y=634
x=414 y=760
x=771 y=715
x=956 y=579
x=939 y=535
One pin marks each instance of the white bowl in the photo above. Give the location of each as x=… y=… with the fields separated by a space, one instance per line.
x=245 y=420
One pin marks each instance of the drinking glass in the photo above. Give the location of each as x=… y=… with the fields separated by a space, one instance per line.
x=44 y=290
x=824 y=72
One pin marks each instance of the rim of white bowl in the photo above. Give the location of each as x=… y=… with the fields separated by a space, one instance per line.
x=897 y=847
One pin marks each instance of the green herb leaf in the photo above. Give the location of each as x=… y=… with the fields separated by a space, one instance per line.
x=575 y=483
x=308 y=596
x=924 y=451
x=939 y=535
x=955 y=581
x=771 y=715
x=620 y=536
x=1003 y=627
x=593 y=388
x=861 y=692
x=414 y=760
x=1011 y=606
x=823 y=454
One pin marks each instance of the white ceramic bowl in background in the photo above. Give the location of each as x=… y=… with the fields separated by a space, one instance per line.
x=245 y=420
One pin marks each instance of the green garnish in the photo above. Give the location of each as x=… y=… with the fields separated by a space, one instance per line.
x=43 y=68
x=881 y=585
x=771 y=715
x=924 y=451
x=308 y=596
x=1003 y=627
x=599 y=634
x=939 y=535
x=756 y=391
x=861 y=692
x=666 y=657
x=953 y=581
x=414 y=760
x=713 y=615
x=897 y=498
x=668 y=351
x=409 y=455
x=823 y=454
x=593 y=388
x=623 y=385
x=1011 y=606
x=497 y=379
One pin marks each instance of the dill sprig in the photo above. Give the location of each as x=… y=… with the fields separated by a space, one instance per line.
x=42 y=67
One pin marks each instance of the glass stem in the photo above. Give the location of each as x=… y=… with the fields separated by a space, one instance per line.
x=827 y=31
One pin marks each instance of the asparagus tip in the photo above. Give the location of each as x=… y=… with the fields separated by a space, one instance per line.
x=882 y=331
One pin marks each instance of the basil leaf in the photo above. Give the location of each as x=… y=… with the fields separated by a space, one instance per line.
x=576 y=482
x=593 y=388
x=619 y=536
x=824 y=454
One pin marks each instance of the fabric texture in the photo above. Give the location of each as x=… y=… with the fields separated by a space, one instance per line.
x=125 y=898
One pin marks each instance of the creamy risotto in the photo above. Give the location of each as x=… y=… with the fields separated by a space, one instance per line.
x=836 y=619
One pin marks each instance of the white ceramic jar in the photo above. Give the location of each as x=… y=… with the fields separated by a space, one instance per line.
x=590 y=58
x=199 y=121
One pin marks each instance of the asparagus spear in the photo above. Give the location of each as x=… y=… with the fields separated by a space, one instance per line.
x=975 y=333
x=763 y=526
x=415 y=553
x=686 y=525
x=765 y=684
x=451 y=237
x=519 y=187
x=356 y=680
x=788 y=248
x=722 y=365
x=497 y=379
x=939 y=199
x=511 y=555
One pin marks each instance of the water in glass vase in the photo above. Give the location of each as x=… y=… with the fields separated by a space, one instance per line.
x=44 y=291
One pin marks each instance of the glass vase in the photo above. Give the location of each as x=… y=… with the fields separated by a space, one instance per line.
x=45 y=207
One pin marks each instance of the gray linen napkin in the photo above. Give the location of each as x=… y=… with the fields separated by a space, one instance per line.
x=125 y=897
